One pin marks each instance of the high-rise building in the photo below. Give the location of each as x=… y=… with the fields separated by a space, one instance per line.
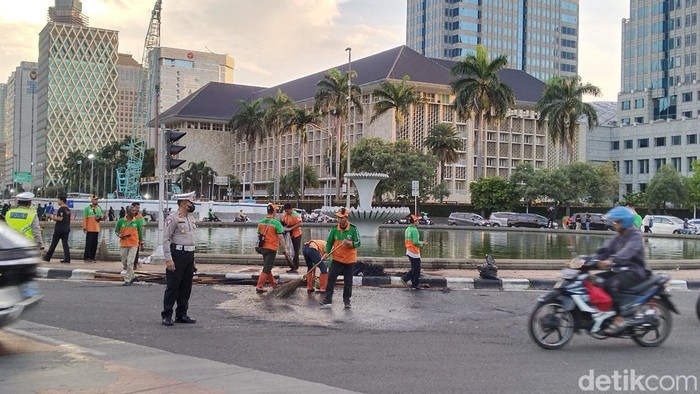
x=183 y=71
x=3 y=154
x=660 y=65
x=128 y=84
x=19 y=124
x=77 y=98
x=539 y=37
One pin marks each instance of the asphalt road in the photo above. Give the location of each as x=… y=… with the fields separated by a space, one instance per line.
x=393 y=340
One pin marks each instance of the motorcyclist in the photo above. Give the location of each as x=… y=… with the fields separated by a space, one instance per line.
x=241 y=217
x=624 y=256
x=210 y=215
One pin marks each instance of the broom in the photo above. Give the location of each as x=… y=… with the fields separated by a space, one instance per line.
x=286 y=289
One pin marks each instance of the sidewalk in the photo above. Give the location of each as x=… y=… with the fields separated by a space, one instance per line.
x=451 y=278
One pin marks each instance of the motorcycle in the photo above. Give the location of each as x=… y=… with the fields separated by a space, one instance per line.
x=244 y=219
x=568 y=309
x=211 y=219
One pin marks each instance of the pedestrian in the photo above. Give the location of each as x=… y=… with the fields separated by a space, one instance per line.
x=565 y=222
x=312 y=255
x=130 y=234
x=49 y=210
x=110 y=214
x=40 y=212
x=551 y=215
x=578 y=220
x=292 y=225
x=122 y=212
x=138 y=216
x=92 y=216
x=647 y=222
x=178 y=247
x=24 y=219
x=346 y=238
x=587 y=221
x=637 y=217
x=413 y=246
x=651 y=223
x=271 y=231
x=61 y=231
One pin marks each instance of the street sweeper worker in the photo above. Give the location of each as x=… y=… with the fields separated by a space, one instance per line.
x=342 y=244
x=272 y=231
x=314 y=252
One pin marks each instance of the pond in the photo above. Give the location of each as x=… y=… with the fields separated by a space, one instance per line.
x=441 y=243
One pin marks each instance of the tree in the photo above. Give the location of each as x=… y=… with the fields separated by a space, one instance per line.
x=278 y=110
x=441 y=191
x=332 y=97
x=300 y=120
x=606 y=188
x=443 y=142
x=248 y=125
x=396 y=96
x=478 y=90
x=310 y=178
x=527 y=183
x=561 y=104
x=693 y=185
x=198 y=176
x=493 y=194
x=666 y=186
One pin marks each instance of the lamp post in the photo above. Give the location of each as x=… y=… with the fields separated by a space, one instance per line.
x=80 y=175
x=92 y=168
x=347 y=131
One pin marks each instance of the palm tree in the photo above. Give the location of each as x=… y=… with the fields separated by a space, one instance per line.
x=278 y=110
x=247 y=125
x=561 y=104
x=443 y=142
x=397 y=96
x=298 y=122
x=478 y=90
x=198 y=175
x=332 y=97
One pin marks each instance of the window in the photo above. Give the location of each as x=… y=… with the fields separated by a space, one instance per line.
x=691 y=139
x=567 y=67
x=625 y=121
x=625 y=105
x=687 y=114
x=568 y=30
x=643 y=166
x=658 y=163
x=687 y=97
x=660 y=141
x=690 y=160
x=676 y=140
x=568 y=43
x=615 y=145
x=642 y=187
x=676 y=163
x=628 y=167
x=639 y=119
x=643 y=143
x=639 y=103
x=628 y=144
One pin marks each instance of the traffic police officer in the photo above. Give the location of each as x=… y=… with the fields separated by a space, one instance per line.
x=24 y=219
x=178 y=247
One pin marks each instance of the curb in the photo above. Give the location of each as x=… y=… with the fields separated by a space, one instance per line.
x=503 y=284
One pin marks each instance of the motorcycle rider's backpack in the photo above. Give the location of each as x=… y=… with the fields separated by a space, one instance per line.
x=488 y=270
x=598 y=296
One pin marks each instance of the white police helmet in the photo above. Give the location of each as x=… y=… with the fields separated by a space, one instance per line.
x=25 y=196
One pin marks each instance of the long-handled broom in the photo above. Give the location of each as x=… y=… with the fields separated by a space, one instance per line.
x=286 y=289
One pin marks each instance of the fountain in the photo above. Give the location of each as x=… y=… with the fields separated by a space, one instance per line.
x=366 y=218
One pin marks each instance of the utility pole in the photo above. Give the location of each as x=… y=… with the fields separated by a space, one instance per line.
x=347 y=131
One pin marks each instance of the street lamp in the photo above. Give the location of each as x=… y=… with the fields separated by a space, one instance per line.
x=80 y=175
x=92 y=168
x=347 y=132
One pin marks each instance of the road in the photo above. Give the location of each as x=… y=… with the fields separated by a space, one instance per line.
x=393 y=340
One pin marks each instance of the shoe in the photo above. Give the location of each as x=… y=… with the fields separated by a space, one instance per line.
x=260 y=290
x=325 y=305
x=292 y=271
x=46 y=260
x=65 y=261
x=167 y=321
x=131 y=282
x=403 y=282
x=127 y=283
x=185 y=319
x=347 y=304
x=615 y=329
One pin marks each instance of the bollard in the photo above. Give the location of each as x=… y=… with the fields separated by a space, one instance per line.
x=102 y=252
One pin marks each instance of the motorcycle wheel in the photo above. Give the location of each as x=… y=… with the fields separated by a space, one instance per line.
x=550 y=326
x=652 y=337
x=697 y=308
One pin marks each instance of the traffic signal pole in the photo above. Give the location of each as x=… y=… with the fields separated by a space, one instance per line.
x=158 y=254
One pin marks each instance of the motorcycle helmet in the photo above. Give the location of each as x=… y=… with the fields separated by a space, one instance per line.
x=621 y=214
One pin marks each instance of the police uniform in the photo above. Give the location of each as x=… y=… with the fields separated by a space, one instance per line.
x=178 y=247
x=24 y=219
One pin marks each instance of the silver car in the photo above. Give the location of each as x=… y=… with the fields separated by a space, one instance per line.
x=466 y=219
x=500 y=219
x=19 y=258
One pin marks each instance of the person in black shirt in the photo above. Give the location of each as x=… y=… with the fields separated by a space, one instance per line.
x=61 y=231
x=110 y=214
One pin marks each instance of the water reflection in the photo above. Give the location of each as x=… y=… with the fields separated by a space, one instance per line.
x=452 y=244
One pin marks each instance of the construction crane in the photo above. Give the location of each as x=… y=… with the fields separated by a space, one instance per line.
x=129 y=177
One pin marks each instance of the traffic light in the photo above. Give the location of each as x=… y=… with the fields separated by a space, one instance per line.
x=172 y=136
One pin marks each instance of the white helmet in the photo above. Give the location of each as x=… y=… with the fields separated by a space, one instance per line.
x=25 y=196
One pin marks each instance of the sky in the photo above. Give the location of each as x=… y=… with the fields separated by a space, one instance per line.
x=274 y=41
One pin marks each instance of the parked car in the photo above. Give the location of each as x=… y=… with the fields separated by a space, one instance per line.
x=19 y=258
x=500 y=219
x=598 y=221
x=532 y=220
x=664 y=224
x=466 y=219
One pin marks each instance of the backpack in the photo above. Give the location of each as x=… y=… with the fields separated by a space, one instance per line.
x=488 y=270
